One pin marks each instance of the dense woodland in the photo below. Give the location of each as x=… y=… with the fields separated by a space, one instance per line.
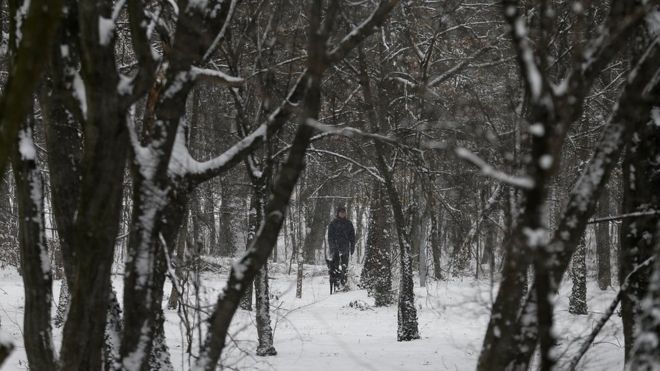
x=511 y=141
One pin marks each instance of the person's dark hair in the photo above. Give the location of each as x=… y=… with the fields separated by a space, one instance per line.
x=340 y=209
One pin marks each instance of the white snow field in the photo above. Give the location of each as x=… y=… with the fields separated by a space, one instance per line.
x=323 y=332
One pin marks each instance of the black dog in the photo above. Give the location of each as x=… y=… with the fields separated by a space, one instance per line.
x=333 y=271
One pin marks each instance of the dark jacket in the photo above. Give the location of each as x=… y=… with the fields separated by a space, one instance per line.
x=341 y=236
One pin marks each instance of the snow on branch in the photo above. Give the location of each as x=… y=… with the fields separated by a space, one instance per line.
x=489 y=170
x=107 y=25
x=221 y=34
x=361 y=32
x=350 y=132
x=369 y=170
x=457 y=68
x=143 y=156
x=215 y=75
x=200 y=171
x=526 y=55
x=599 y=51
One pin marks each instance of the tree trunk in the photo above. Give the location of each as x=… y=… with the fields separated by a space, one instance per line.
x=209 y=217
x=636 y=233
x=99 y=206
x=62 y=304
x=421 y=242
x=317 y=226
x=228 y=213
x=603 y=244
x=299 y=272
x=113 y=330
x=436 y=244
x=380 y=236
x=264 y=331
x=173 y=300
x=35 y=262
x=578 y=299
x=407 y=313
x=8 y=218
x=376 y=274
x=645 y=354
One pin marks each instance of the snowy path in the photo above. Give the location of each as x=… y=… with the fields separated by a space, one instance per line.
x=323 y=332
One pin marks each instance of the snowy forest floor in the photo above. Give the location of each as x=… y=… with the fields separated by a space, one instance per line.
x=323 y=332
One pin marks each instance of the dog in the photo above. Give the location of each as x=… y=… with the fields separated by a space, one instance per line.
x=333 y=271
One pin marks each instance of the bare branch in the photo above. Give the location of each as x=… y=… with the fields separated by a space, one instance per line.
x=489 y=170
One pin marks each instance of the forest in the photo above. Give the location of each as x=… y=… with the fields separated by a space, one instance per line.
x=329 y=184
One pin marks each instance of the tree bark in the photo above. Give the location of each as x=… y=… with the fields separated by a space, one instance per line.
x=407 y=328
x=578 y=299
x=317 y=226
x=35 y=261
x=636 y=238
x=99 y=206
x=603 y=243
x=645 y=354
x=29 y=56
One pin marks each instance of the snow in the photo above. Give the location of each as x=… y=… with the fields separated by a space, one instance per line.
x=182 y=163
x=489 y=170
x=133 y=361
x=322 y=332
x=80 y=93
x=26 y=145
x=537 y=130
x=20 y=16
x=219 y=75
x=64 y=51
x=546 y=162
x=532 y=72
x=125 y=85
x=535 y=237
x=653 y=22
x=106 y=30
x=655 y=114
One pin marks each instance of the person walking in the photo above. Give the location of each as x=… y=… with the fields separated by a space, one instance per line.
x=341 y=238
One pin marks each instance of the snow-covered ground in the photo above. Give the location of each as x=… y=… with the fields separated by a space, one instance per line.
x=323 y=332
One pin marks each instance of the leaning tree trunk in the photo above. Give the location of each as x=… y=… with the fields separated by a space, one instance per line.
x=578 y=299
